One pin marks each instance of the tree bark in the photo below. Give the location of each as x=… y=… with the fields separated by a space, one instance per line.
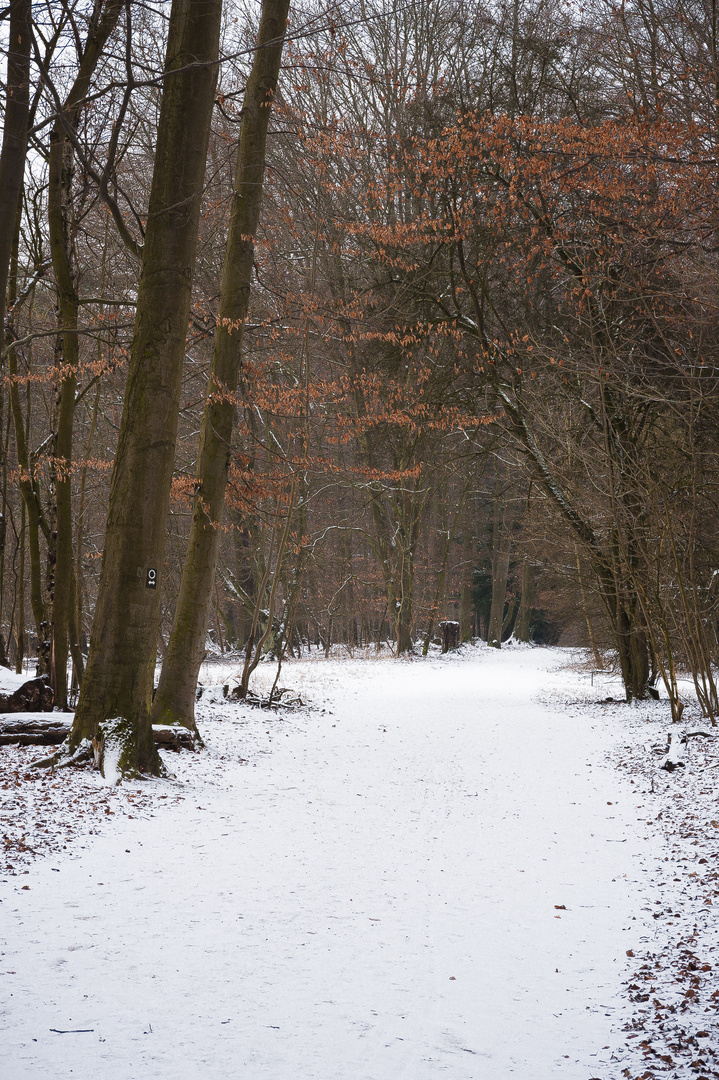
x=175 y=697
x=465 y=604
x=403 y=595
x=585 y=611
x=12 y=163
x=501 y=548
x=62 y=248
x=401 y=519
x=524 y=615
x=36 y=522
x=119 y=676
x=4 y=445
x=14 y=142
x=20 y=621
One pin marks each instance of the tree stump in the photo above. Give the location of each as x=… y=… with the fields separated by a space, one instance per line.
x=450 y=635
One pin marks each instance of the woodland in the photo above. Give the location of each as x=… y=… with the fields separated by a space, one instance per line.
x=358 y=324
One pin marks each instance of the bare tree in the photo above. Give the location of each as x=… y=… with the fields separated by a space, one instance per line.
x=119 y=678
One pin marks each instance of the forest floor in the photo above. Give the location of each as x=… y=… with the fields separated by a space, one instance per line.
x=467 y=866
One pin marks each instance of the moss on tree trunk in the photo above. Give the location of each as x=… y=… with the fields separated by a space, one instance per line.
x=175 y=697
x=119 y=676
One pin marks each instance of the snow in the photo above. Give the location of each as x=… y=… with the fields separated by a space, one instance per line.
x=115 y=738
x=10 y=681
x=111 y=761
x=444 y=867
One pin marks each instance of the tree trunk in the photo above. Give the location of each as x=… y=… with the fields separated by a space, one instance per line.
x=465 y=603
x=4 y=506
x=175 y=698
x=585 y=610
x=501 y=548
x=36 y=522
x=403 y=603
x=256 y=641
x=524 y=615
x=12 y=169
x=630 y=637
x=450 y=635
x=62 y=248
x=14 y=142
x=119 y=677
x=408 y=512
x=20 y=622
x=633 y=650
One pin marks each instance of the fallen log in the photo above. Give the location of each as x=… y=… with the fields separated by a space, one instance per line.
x=174 y=737
x=41 y=729
x=34 y=729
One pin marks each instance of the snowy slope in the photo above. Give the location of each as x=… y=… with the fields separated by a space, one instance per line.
x=10 y=681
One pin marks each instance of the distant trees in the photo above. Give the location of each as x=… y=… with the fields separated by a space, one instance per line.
x=464 y=348
x=594 y=225
x=539 y=246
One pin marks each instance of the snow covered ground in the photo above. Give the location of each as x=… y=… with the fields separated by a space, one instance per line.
x=466 y=866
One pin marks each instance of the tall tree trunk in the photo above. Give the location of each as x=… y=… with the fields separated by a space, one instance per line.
x=243 y=575
x=465 y=601
x=629 y=634
x=585 y=611
x=119 y=676
x=4 y=447
x=440 y=539
x=403 y=605
x=12 y=170
x=36 y=522
x=62 y=248
x=501 y=548
x=409 y=509
x=524 y=615
x=175 y=697
x=445 y=531
x=20 y=623
x=14 y=142
x=632 y=646
x=256 y=642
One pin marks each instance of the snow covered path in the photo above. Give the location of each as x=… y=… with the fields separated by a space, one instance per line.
x=436 y=879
